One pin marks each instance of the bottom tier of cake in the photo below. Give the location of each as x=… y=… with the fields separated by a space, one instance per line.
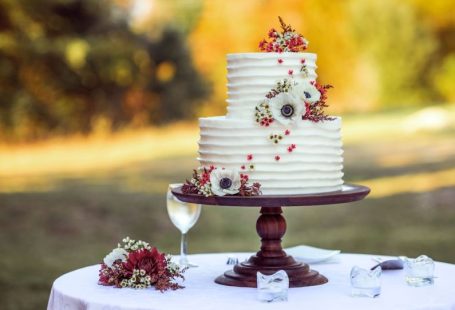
x=303 y=158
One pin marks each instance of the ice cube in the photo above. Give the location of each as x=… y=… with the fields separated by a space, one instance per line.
x=273 y=287
x=419 y=271
x=365 y=283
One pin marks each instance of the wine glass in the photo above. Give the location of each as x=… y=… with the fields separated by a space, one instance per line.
x=183 y=215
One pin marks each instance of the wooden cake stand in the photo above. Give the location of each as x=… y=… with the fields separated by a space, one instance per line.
x=271 y=227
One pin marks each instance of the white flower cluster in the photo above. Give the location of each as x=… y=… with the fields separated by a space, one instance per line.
x=283 y=40
x=171 y=266
x=115 y=255
x=286 y=84
x=288 y=105
x=133 y=245
x=205 y=189
x=139 y=279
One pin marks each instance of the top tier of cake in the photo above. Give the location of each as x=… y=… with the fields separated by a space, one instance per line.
x=252 y=75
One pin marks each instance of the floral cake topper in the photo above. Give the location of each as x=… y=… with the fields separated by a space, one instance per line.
x=285 y=41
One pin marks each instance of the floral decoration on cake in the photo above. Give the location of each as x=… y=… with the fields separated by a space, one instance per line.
x=285 y=41
x=136 y=264
x=290 y=101
x=294 y=98
x=220 y=182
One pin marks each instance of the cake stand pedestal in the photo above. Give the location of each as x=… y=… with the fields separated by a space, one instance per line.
x=271 y=227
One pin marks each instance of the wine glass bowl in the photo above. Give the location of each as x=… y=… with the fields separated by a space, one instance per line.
x=183 y=215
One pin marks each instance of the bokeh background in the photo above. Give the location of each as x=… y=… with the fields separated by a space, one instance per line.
x=98 y=108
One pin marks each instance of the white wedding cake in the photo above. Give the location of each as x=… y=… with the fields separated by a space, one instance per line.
x=289 y=156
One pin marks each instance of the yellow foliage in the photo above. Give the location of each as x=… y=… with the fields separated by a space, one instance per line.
x=165 y=71
x=76 y=52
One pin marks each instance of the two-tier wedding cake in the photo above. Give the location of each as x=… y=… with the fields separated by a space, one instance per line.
x=275 y=131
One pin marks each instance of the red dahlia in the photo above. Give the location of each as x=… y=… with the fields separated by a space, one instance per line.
x=152 y=261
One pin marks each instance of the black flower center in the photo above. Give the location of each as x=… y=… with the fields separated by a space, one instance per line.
x=307 y=94
x=225 y=183
x=287 y=110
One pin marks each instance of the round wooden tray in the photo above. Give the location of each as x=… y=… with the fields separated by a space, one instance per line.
x=271 y=227
x=348 y=193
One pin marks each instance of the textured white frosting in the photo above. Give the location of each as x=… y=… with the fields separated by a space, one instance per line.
x=314 y=166
x=252 y=75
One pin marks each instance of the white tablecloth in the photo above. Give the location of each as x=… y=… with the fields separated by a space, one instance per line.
x=79 y=290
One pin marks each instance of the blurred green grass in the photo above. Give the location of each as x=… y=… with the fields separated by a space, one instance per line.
x=77 y=221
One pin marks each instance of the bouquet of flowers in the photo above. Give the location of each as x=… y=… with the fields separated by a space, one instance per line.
x=136 y=264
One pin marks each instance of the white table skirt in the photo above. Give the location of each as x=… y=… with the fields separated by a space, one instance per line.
x=79 y=290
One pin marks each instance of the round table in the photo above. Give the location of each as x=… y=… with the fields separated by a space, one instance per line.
x=79 y=290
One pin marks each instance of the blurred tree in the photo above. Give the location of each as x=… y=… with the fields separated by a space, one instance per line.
x=73 y=66
x=390 y=36
x=439 y=15
x=445 y=78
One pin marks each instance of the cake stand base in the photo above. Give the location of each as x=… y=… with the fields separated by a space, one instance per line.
x=271 y=227
x=244 y=275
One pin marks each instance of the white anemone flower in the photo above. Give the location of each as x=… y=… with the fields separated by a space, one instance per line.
x=225 y=182
x=306 y=92
x=116 y=254
x=286 y=108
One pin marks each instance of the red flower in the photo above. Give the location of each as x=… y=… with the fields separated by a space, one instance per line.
x=291 y=147
x=287 y=132
x=277 y=157
x=280 y=61
x=249 y=156
x=273 y=33
x=242 y=167
x=111 y=276
x=302 y=61
x=152 y=261
x=290 y=72
x=244 y=177
x=262 y=44
x=205 y=175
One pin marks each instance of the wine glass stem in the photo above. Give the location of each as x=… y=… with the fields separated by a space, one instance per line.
x=183 y=250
